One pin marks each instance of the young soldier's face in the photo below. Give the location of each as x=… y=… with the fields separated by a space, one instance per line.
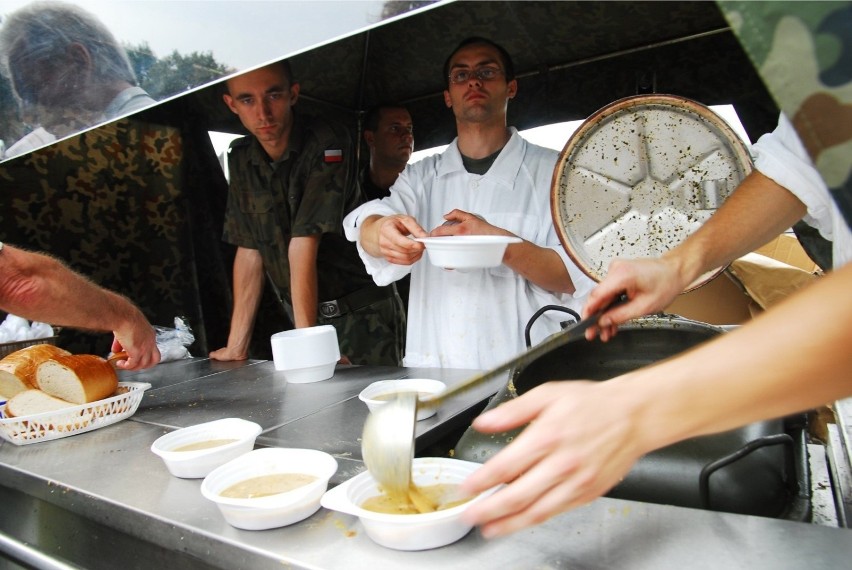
x=393 y=139
x=263 y=99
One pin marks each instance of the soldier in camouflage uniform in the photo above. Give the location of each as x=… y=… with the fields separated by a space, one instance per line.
x=292 y=182
x=389 y=134
x=583 y=438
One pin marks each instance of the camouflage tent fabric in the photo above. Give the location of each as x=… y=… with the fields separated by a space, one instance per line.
x=111 y=203
x=803 y=52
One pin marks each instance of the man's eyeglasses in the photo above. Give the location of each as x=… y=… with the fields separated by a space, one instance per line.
x=480 y=73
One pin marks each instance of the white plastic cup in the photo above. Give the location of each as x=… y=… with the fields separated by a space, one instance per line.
x=307 y=354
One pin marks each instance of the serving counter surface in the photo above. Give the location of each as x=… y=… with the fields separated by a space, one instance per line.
x=102 y=499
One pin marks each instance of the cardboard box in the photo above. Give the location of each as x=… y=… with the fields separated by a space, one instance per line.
x=721 y=301
x=787 y=249
x=768 y=281
x=750 y=285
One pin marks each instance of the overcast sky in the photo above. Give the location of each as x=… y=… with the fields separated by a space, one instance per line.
x=239 y=33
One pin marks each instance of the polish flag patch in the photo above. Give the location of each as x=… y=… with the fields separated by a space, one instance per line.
x=333 y=155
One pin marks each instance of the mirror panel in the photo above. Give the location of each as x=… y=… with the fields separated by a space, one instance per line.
x=72 y=65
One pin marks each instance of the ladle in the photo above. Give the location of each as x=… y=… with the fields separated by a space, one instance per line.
x=387 y=443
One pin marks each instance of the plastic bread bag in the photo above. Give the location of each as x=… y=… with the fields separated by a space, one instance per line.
x=173 y=342
x=14 y=328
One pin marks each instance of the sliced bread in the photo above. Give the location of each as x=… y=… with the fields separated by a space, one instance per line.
x=31 y=402
x=18 y=369
x=77 y=378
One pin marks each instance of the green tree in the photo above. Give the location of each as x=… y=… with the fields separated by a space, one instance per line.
x=177 y=73
x=397 y=7
x=141 y=59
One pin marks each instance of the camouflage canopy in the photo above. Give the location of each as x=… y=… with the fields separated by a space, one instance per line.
x=571 y=58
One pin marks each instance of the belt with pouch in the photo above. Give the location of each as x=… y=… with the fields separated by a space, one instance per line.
x=354 y=301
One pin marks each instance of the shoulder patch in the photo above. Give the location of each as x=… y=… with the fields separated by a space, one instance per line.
x=333 y=155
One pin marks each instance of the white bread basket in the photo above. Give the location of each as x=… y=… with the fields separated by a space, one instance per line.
x=76 y=419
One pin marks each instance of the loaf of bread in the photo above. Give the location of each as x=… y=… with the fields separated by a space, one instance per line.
x=18 y=369
x=30 y=402
x=77 y=378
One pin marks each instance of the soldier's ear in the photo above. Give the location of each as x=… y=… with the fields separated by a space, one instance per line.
x=369 y=137
x=229 y=101
x=447 y=101
x=294 y=93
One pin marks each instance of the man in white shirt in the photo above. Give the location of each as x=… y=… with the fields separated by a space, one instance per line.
x=488 y=181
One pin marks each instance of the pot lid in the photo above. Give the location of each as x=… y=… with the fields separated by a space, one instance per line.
x=639 y=176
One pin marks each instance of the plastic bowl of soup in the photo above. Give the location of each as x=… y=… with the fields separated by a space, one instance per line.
x=404 y=527
x=193 y=452
x=270 y=487
x=379 y=393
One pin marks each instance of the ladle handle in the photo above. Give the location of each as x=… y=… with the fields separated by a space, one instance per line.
x=116 y=357
x=555 y=341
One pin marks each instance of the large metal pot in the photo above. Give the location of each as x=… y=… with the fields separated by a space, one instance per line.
x=760 y=469
x=635 y=180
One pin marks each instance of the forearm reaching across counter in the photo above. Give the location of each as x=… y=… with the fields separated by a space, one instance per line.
x=248 y=287
x=303 y=279
x=585 y=436
x=42 y=288
x=388 y=237
x=754 y=214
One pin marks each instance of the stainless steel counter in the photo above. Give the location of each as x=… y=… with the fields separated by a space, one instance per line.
x=103 y=500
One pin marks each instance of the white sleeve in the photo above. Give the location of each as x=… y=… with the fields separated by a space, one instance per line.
x=781 y=156
x=382 y=271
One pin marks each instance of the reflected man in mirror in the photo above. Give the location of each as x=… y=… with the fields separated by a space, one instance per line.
x=68 y=71
x=291 y=182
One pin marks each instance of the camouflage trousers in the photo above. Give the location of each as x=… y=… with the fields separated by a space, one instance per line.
x=373 y=334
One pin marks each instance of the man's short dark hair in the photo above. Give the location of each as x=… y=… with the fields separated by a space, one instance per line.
x=508 y=66
x=288 y=71
x=374 y=114
x=284 y=64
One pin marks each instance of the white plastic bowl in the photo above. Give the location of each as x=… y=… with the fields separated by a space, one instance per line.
x=306 y=355
x=370 y=394
x=467 y=252
x=198 y=463
x=408 y=532
x=274 y=510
